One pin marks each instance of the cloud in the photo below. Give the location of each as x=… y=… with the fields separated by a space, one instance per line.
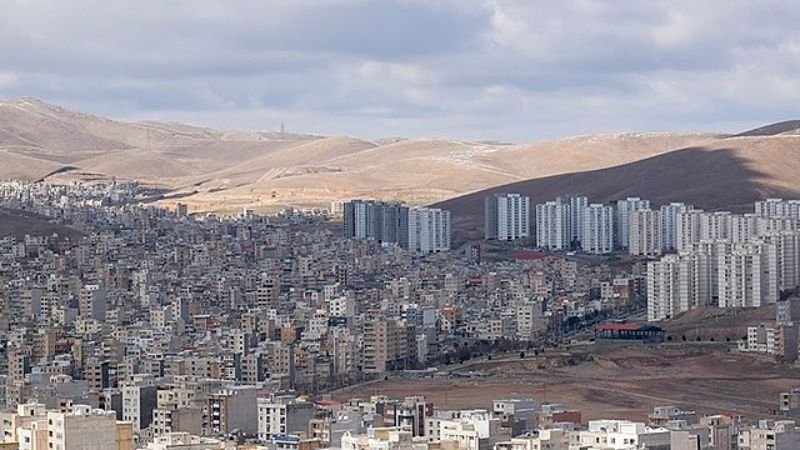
x=483 y=69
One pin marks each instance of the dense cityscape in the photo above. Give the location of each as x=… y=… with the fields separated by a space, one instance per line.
x=140 y=327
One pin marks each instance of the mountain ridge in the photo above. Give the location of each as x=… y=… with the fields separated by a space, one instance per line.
x=225 y=170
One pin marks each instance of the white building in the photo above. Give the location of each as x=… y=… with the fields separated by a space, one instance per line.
x=644 y=234
x=687 y=231
x=507 y=217
x=282 y=414
x=553 y=225
x=549 y=438
x=669 y=223
x=429 y=230
x=787 y=246
x=473 y=430
x=624 y=210
x=748 y=276
x=670 y=288
x=576 y=207
x=715 y=226
x=138 y=401
x=621 y=435
x=777 y=207
x=598 y=229
x=383 y=438
x=743 y=228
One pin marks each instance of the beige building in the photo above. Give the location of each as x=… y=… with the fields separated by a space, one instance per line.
x=184 y=441
x=769 y=435
x=550 y=439
x=388 y=344
x=392 y=438
x=82 y=428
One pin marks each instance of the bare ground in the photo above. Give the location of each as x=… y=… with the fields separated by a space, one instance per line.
x=621 y=383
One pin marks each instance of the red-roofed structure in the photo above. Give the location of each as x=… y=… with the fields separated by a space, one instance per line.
x=629 y=331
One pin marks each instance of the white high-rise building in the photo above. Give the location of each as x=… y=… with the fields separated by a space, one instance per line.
x=705 y=260
x=742 y=228
x=715 y=225
x=787 y=246
x=429 y=230
x=576 y=206
x=778 y=207
x=553 y=225
x=669 y=223
x=644 y=235
x=766 y=225
x=748 y=276
x=624 y=209
x=687 y=232
x=507 y=217
x=670 y=288
x=598 y=229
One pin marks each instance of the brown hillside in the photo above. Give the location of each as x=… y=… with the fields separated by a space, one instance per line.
x=726 y=173
x=18 y=223
x=223 y=170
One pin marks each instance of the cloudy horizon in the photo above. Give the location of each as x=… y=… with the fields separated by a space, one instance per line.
x=510 y=70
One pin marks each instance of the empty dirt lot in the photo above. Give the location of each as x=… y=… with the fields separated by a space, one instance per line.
x=622 y=383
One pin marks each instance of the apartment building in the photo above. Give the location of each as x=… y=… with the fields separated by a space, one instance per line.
x=597 y=236
x=381 y=221
x=84 y=428
x=507 y=217
x=92 y=302
x=644 y=233
x=554 y=225
x=388 y=344
x=139 y=399
x=34 y=427
x=670 y=287
x=622 y=434
x=624 y=208
x=473 y=430
x=669 y=223
x=576 y=206
x=778 y=207
x=429 y=230
x=232 y=408
x=770 y=435
x=748 y=276
x=281 y=414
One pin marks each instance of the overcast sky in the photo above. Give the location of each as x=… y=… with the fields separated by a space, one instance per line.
x=516 y=70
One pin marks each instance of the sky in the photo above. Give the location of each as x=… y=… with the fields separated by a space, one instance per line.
x=510 y=70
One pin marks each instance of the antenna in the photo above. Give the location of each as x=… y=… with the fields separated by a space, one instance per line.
x=283 y=128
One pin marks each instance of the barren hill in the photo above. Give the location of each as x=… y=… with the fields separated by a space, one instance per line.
x=788 y=127
x=729 y=173
x=17 y=223
x=225 y=170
